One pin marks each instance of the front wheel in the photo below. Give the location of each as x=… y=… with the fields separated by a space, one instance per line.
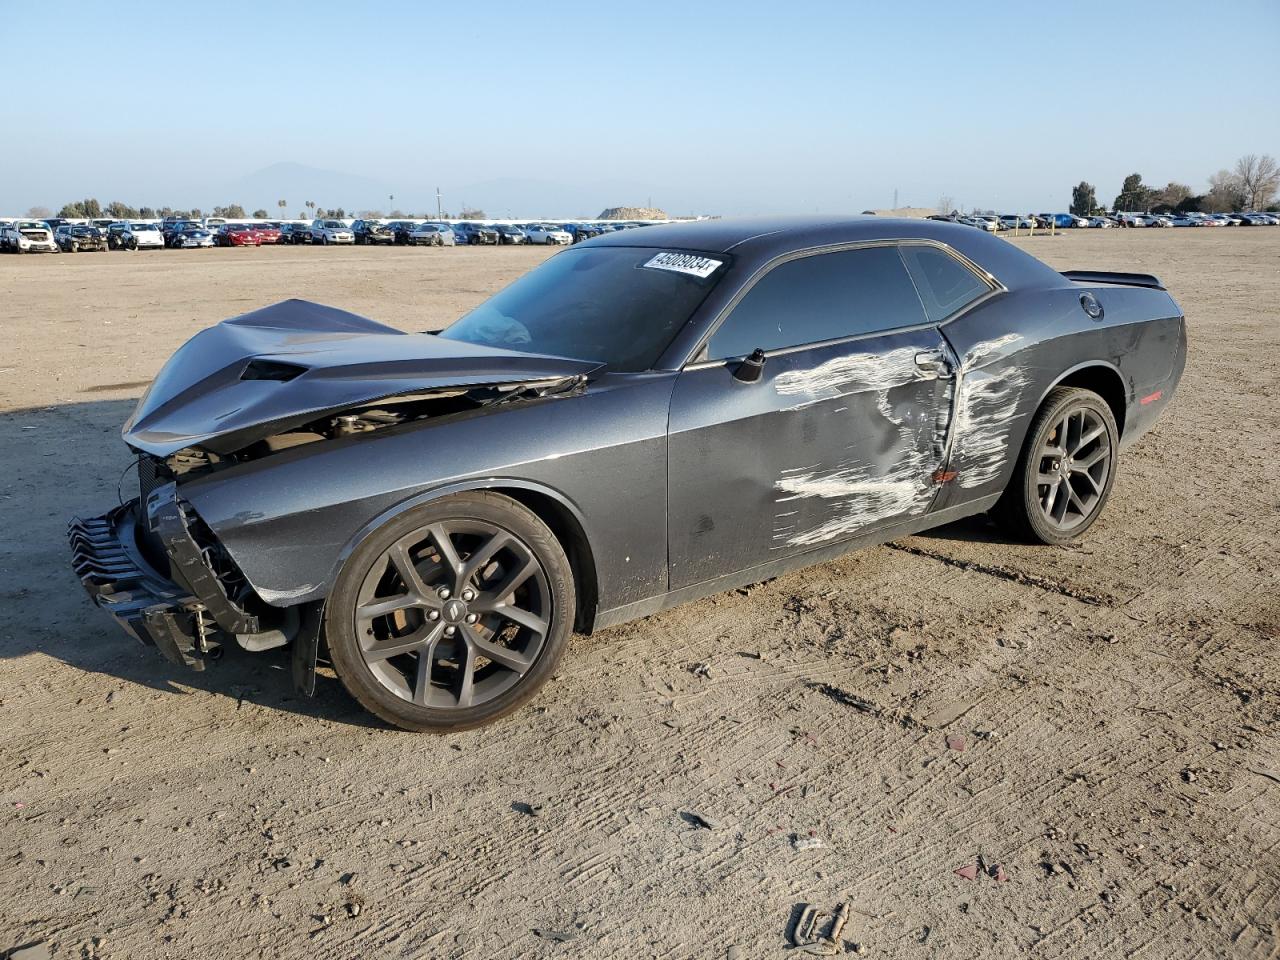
x=1066 y=470
x=452 y=614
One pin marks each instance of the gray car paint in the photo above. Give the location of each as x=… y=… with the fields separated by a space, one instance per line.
x=732 y=480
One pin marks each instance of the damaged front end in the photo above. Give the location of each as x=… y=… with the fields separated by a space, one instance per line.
x=155 y=568
x=283 y=377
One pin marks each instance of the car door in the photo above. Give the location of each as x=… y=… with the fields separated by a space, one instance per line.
x=841 y=433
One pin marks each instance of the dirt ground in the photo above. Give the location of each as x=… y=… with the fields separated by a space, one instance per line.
x=688 y=780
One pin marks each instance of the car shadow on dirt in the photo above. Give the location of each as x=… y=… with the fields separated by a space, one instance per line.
x=65 y=460
x=976 y=529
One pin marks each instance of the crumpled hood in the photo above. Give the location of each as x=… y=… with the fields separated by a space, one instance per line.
x=279 y=367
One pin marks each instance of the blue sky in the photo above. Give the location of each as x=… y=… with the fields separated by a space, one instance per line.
x=710 y=107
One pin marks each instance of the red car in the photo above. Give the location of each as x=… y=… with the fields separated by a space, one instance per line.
x=240 y=235
x=267 y=233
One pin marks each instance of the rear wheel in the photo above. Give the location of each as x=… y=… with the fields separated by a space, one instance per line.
x=451 y=615
x=1065 y=473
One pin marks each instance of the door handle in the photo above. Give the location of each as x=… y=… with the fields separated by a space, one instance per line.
x=934 y=363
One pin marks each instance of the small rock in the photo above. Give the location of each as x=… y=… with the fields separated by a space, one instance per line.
x=806 y=843
x=956 y=742
x=353 y=909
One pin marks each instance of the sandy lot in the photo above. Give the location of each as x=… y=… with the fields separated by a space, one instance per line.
x=1119 y=700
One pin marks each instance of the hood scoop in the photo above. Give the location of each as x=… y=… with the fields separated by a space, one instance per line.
x=282 y=366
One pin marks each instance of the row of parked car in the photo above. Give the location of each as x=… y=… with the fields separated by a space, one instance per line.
x=53 y=236
x=1043 y=221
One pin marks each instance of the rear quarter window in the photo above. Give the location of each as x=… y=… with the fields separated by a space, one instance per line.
x=944 y=283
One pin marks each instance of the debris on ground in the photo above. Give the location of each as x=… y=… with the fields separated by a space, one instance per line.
x=32 y=951
x=805 y=843
x=806 y=935
x=555 y=936
x=956 y=742
x=969 y=871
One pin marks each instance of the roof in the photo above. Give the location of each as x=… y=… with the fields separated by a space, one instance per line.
x=726 y=235
x=756 y=240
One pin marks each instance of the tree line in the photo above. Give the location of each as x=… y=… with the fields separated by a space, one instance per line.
x=1252 y=184
x=91 y=209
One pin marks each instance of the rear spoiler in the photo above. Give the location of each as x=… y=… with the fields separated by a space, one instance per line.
x=1122 y=279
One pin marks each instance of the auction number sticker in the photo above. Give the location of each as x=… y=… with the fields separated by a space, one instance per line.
x=689 y=263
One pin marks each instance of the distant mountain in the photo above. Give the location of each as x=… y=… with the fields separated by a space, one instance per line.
x=504 y=197
x=298 y=183
x=520 y=198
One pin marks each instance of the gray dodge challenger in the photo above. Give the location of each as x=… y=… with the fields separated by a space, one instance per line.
x=647 y=417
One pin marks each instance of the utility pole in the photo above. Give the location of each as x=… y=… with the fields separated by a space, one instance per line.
x=895 y=198
x=439 y=208
x=391 y=199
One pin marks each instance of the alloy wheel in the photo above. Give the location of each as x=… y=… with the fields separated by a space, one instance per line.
x=1074 y=463
x=453 y=614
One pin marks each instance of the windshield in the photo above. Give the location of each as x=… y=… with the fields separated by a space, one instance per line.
x=333 y=225
x=31 y=225
x=618 y=305
x=144 y=226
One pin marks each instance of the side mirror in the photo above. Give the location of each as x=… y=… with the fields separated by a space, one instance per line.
x=749 y=370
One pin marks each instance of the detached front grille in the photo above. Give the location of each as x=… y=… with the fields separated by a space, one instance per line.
x=99 y=559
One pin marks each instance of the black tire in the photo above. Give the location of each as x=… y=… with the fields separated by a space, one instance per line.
x=1065 y=472
x=463 y=686
x=75 y=247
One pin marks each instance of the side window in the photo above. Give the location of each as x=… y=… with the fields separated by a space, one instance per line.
x=945 y=284
x=826 y=296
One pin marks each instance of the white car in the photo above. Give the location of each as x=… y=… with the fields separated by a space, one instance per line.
x=28 y=236
x=546 y=233
x=331 y=231
x=140 y=235
x=1101 y=222
x=432 y=235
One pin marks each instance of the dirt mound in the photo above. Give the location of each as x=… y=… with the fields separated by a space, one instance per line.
x=917 y=212
x=633 y=213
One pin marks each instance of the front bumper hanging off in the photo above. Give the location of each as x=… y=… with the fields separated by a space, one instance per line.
x=174 y=611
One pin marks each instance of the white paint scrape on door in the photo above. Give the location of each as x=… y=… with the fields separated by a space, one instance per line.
x=863 y=493
x=986 y=405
